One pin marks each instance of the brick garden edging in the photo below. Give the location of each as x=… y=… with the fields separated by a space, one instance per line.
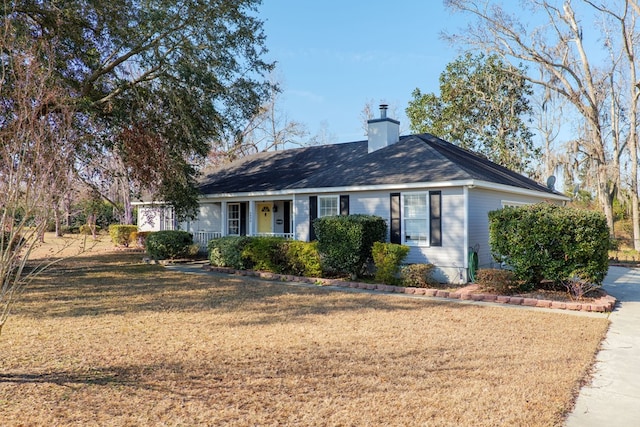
x=603 y=304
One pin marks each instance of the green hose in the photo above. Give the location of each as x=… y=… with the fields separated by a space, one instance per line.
x=473 y=264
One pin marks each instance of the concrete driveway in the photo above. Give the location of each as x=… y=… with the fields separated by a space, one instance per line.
x=613 y=397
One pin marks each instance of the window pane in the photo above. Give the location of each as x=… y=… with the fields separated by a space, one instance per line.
x=415 y=206
x=233 y=219
x=415 y=230
x=327 y=206
x=416 y=219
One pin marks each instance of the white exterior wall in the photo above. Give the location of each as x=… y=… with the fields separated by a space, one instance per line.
x=155 y=218
x=481 y=202
x=301 y=215
x=208 y=218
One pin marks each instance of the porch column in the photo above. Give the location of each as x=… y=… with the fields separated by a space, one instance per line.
x=293 y=218
x=223 y=219
x=252 y=219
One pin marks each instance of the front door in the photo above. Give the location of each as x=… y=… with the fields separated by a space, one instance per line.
x=265 y=219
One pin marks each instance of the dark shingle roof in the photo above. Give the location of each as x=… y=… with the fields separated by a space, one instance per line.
x=278 y=170
x=420 y=158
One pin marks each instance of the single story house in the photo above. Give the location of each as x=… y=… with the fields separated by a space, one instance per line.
x=435 y=196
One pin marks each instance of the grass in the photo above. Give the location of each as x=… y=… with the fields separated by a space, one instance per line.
x=105 y=340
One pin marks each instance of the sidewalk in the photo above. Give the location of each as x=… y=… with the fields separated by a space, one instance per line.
x=613 y=397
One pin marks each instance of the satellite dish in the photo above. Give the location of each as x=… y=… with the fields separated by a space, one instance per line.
x=551 y=182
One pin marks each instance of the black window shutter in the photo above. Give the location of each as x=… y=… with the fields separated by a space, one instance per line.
x=313 y=214
x=396 y=221
x=344 y=205
x=243 y=219
x=435 y=218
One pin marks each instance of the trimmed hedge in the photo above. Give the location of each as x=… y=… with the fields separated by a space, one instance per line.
x=303 y=258
x=265 y=253
x=272 y=254
x=121 y=234
x=387 y=258
x=227 y=252
x=546 y=241
x=345 y=242
x=170 y=244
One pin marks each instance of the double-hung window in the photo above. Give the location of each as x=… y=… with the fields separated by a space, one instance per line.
x=422 y=221
x=233 y=219
x=416 y=215
x=328 y=206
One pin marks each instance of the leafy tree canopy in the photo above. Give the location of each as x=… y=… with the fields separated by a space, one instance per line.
x=482 y=106
x=153 y=83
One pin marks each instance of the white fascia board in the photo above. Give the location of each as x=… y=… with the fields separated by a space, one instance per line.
x=345 y=189
x=518 y=190
x=273 y=195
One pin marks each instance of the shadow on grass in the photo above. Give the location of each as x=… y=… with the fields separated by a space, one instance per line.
x=134 y=376
x=120 y=283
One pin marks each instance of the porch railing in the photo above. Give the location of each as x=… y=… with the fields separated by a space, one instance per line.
x=201 y=238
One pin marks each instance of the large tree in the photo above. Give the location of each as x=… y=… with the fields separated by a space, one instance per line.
x=36 y=154
x=557 y=46
x=153 y=83
x=483 y=106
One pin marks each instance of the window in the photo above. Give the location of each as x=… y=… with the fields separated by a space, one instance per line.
x=233 y=219
x=422 y=218
x=328 y=206
x=415 y=214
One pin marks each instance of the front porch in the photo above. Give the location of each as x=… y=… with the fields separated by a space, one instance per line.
x=272 y=218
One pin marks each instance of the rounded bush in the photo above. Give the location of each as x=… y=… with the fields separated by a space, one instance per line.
x=169 y=244
x=551 y=242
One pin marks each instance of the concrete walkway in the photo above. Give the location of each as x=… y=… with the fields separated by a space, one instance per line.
x=613 y=397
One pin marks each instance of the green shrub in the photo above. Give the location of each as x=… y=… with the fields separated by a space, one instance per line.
x=418 y=275
x=121 y=234
x=169 y=244
x=227 y=252
x=495 y=280
x=345 y=242
x=266 y=253
x=302 y=258
x=550 y=242
x=387 y=258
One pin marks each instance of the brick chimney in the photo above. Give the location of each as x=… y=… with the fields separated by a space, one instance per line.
x=382 y=132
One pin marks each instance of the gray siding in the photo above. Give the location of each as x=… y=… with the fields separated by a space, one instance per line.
x=481 y=202
x=450 y=257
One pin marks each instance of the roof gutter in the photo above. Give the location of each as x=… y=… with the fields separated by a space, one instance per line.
x=470 y=183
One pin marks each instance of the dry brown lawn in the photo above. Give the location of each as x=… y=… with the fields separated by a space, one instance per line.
x=105 y=340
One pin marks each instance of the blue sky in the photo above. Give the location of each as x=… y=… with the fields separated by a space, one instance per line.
x=335 y=56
